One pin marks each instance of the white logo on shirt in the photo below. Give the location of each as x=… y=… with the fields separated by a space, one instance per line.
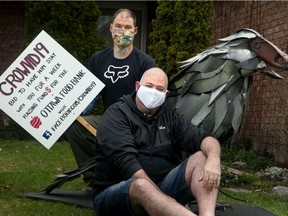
x=115 y=73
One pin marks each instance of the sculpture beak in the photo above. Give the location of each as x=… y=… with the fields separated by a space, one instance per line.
x=269 y=53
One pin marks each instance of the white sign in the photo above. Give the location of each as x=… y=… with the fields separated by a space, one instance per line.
x=46 y=89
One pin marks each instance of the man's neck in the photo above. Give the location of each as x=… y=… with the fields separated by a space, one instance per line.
x=122 y=53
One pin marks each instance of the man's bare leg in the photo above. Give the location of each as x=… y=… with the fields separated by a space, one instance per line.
x=147 y=199
x=205 y=194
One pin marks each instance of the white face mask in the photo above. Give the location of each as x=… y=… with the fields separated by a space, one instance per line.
x=151 y=98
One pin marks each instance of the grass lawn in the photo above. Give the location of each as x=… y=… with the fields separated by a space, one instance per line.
x=27 y=166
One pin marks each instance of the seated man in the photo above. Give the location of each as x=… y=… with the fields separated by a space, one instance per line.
x=138 y=168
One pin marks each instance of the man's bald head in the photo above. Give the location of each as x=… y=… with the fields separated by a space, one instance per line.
x=155 y=76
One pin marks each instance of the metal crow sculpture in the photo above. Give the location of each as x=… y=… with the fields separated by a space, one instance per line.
x=212 y=87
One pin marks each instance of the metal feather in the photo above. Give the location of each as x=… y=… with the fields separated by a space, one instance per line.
x=240 y=55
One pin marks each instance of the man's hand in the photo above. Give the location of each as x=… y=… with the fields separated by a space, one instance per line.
x=211 y=172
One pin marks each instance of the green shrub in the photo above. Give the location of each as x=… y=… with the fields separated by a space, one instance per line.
x=181 y=30
x=72 y=24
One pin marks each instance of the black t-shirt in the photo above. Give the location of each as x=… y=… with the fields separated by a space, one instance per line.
x=119 y=75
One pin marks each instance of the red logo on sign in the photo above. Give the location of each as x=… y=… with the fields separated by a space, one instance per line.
x=35 y=122
x=47 y=89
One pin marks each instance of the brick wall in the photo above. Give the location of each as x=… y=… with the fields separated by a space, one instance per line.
x=12 y=18
x=266 y=119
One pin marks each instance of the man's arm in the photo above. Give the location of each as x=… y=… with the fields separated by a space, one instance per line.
x=211 y=172
x=140 y=174
x=210 y=146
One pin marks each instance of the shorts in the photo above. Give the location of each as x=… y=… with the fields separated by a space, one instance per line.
x=114 y=200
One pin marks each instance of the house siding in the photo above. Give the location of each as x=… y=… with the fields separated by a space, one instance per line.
x=12 y=22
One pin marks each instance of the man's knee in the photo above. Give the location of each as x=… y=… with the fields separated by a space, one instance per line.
x=139 y=187
x=199 y=156
x=197 y=159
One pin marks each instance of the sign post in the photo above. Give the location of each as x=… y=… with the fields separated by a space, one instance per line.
x=45 y=89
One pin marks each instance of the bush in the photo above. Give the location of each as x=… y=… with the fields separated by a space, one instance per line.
x=181 y=30
x=71 y=24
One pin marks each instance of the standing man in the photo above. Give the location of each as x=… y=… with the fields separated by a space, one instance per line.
x=118 y=67
x=138 y=169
